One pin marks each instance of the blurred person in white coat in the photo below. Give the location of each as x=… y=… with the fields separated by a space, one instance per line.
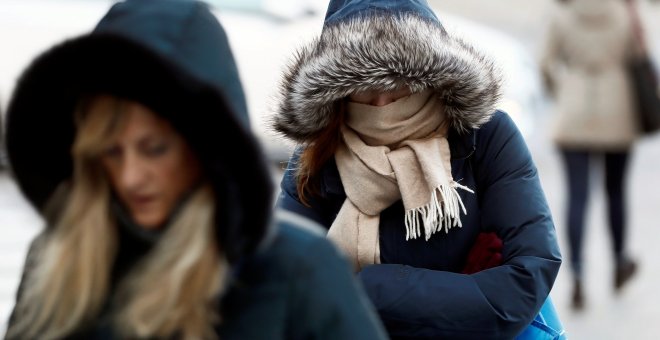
x=587 y=48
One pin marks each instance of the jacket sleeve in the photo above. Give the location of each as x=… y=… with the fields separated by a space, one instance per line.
x=332 y=303
x=496 y=303
x=30 y=260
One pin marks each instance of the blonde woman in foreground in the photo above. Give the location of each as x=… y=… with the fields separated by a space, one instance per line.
x=156 y=228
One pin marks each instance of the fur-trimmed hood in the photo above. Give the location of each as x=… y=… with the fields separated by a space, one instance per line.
x=174 y=57
x=384 y=45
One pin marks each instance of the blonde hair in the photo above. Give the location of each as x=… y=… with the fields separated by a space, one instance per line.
x=170 y=291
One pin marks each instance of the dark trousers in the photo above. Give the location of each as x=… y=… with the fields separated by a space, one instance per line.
x=577 y=166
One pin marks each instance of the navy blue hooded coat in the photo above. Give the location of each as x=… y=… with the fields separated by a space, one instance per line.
x=174 y=57
x=418 y=289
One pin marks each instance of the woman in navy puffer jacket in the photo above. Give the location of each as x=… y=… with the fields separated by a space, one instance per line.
x=404 y=159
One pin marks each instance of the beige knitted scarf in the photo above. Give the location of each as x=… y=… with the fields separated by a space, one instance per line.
x=392 y=152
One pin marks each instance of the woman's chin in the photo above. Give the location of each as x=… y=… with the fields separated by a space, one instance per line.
x=148 y=221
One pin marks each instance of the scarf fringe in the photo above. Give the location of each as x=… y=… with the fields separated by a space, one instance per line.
x=438 y=214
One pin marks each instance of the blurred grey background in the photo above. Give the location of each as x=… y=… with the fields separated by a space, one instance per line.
x=264 y=34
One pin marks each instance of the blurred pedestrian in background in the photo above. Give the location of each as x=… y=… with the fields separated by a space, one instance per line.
x=404 y=159
x=588 y=47
x=133 y=143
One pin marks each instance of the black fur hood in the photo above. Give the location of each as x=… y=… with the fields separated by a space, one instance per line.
x=383 y=45
x=173 y=56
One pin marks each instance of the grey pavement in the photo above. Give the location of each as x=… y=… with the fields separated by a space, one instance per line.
x=634 y=313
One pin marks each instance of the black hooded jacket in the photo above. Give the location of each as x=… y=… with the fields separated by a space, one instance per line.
x=174 y=57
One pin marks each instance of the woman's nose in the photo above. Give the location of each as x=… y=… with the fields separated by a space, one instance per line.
x=132 y=173
x=382 y=99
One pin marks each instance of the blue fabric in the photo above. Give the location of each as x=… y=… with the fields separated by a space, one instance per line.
x=545 y=326
x=417 y=288
x=342 y=10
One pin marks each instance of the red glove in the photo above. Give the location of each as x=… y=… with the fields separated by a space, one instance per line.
x=485 y=253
